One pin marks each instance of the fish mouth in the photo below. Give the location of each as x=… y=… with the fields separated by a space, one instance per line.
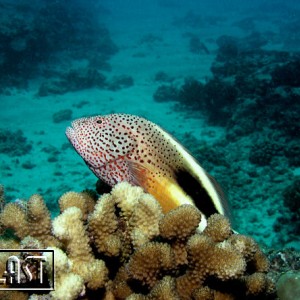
x=71 y=134
x=71 y=131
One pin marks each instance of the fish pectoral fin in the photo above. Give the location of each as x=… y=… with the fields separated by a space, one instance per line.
x=140 y=173
x=162 y=187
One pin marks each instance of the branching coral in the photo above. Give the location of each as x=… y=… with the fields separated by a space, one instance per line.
x=81 y=200
x=108 y=239
x=208 y=259
x=172 y=230
x=149 y=262
x=137 y=223
x=69 y=228
x=39 y=221
x=171 y=226
x=30 y=218
x=144 y=253
x=14 y=217
x=144 y=222
x=68 y=285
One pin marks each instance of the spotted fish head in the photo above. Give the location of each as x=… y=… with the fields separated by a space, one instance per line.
x=101 y=140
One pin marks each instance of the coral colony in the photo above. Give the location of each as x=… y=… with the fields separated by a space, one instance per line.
x=124 y=246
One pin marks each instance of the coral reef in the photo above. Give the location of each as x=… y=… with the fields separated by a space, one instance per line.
x=165 y=93
x=73 y=80
x=288 y=286
x=13 y=143
x=258 y=108
x=215 y=97
x=287 y=74
x=120 y=82
x=292 y=152
x=197 y=47
x=123 y=246
x=162 y=76
x=291 y=197
x=30 y=218
x=70 y=229
x=83 y=78
x=283 y=261
x=49 y=31
x=191 y=93
x=261 y=154
x=62 y=115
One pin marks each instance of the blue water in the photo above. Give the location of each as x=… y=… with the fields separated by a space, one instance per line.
x=221 y=76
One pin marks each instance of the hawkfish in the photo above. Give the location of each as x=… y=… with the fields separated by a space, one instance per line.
x=123 y=147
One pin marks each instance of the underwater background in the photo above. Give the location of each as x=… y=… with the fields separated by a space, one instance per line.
x=222 y=76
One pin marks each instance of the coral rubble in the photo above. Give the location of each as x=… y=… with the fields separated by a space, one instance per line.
x=123 y=246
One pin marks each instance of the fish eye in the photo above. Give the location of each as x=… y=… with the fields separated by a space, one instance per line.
x=99 y=121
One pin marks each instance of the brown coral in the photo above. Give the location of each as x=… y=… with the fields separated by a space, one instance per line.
x=180 y=223
x=207 y=258
x=137 y=223
x=81 y=200
x=177 y=226
x=14 y=217
x=244 y=244
x=126 y=197
x=224 y=229
x=13 y=295
x=203 y=293
x=121 y=288
x=149 y=262
x=144 y=221
x=39 y=221
x=70 y=229
x=256 y=283
x=144 y=253
x=103 y=227
x=33 y=219
x=165 y=289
